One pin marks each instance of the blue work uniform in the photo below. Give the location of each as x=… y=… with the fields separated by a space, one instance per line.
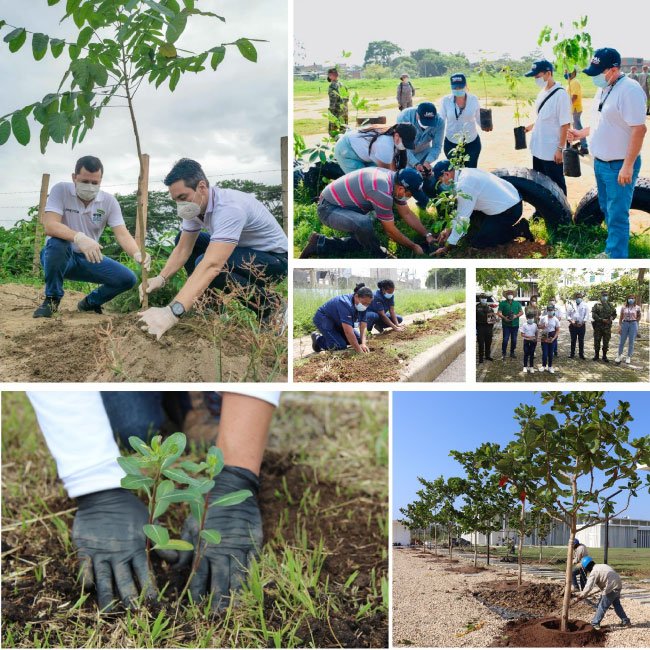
x=379 y=303
x=329 y=320
x=428 y=139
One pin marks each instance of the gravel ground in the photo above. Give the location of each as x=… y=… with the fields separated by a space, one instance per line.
x=431 y=607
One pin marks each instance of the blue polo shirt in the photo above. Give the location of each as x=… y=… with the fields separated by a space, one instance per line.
x=341 y=309
x=380 y=303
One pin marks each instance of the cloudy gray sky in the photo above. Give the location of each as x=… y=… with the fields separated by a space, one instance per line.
x=230 y=120
x=497 y=26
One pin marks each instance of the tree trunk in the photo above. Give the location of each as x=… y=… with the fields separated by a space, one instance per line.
x=39 y=231
x=435 y=537
x=475 y=548
x=564 y=620
x=520 y=550
x=488 y=547
x=449 y=534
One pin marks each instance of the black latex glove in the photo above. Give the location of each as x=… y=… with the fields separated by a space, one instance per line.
x=107 y=531
x=223 y=566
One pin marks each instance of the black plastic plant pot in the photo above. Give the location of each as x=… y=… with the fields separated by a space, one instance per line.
x=367 y=121
x=486 y=118
x=571 y=162
x=520 y=137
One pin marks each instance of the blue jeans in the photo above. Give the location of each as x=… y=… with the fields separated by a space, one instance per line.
x=529 y=353
x=606 y=601
x=615 y=201
x=61 y=262
x=331 y=336
x=579 y=573
x=509 y=333
x=547 y=354
x=629 y=331
x=347 y=157
x=373 y=319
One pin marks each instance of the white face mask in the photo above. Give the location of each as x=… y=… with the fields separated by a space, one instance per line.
x=86 y=191
x=400 y=146
x=361 y=307
x=540 y=82
x=509 y=297
x=187 y=210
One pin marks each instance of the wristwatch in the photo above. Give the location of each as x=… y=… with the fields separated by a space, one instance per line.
x=177 y=309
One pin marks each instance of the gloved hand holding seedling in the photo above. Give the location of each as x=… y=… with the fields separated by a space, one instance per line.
x=237 y=532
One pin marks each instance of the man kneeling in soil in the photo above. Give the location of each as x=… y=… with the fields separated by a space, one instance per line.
x=609 y=582
x=75 y=216
x=244 y=246
x=485 y=197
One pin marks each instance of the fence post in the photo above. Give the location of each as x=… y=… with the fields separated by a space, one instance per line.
x=141 y=222
x=39 y=231
x=284 y=163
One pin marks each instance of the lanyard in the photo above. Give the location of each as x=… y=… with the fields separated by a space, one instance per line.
x=604 y=99
x=461 y=110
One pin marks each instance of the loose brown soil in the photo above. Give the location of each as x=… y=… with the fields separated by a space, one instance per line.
x=390 y=352
x=545 y=633
x=87 y=347
x=339 y=518
x=467 y=569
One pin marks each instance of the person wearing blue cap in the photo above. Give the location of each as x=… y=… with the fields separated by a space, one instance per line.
x=484 y=198
x=615 y=143
x=549 y=131
x=461 y=112
x=336 y=321
x=349 y=204
x=430 y=132
x=375 y=147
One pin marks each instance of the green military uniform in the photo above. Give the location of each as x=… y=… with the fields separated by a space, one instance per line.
x=485 y=319
x=509 y=325
x=534 y=312
x=603 y=315
x=338 y=107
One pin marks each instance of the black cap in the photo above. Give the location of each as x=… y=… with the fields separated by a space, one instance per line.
x=427 y=113
x=603 y=59
x=407 y=132
x=410 y=178
x=440 y=168
x=458 y=81
x=540 y=66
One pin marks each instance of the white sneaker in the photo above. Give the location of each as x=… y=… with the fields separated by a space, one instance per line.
x=544 y=369
x=524 y=371
x=541 y=368
x=531 y=369
x=627 y=359
x=551 y=370
x=618 y=358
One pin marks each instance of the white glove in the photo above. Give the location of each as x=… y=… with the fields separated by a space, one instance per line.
x=157 y=320
x=153 y=284
x=89 y=247
x=147 y=259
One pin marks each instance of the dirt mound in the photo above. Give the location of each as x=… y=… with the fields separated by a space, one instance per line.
x=467 y=569
x=545 y=633
x=82 y=347
x=518 y=249
x=389 y=351
x=349 y=545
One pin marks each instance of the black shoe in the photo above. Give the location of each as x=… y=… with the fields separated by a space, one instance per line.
x=503 y=357
x=314 y=342
x=572 y=355
x=605 y=359
x=84 y=305
x=480 y=360
x=513 y=355
x=489 y=359
x=523 y=230
x=582 y=356
x=596 y=357
x=583 y=151
x=311 y=248
x=48 y=307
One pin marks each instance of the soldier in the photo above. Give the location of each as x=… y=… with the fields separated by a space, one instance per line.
x=603 y=314
x=485 y=319
x=532 y=309
x=338 y=102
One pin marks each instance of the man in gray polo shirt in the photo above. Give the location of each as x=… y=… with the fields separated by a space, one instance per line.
x=243 y=244
x=75 y=216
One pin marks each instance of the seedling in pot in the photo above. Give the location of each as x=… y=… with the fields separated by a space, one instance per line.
x=513 y=80
x=485 y=70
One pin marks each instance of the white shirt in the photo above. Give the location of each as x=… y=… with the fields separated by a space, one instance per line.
x=89 y=219
x=238 y=218
x=382 y=151
x=549 y=324
x=528 y=330
x=79 y=436
x=488 y=194
x=459 y=121
x=624 y=107
x=578 y=313
x=603 y=577
x=556 y=112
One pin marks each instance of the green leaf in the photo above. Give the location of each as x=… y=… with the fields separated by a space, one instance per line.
x=74 y=51
x=5 y=131
x=196 y=508
x=204 y=486
x=181 y=496
x=164 y=488
x=16 y=39
x=139 y=445
x=193 y=467
x=215 y=461
x=99 y=74
x=160 y=8
x=80 y=69
x=247 y=49
x=174 y=445
x=131 y=482
x=175 y=77
x=39 y=45
x=20 y=127
x=84 y=36
x=128 y=463
x=51 y=3
x=175 y=28
x=58 y=125
x=168 y=51
x=218 y=55
x=157 y=534
x=232 y=499
x=174 y=545
x=178 y=475
x=211 y=536
x=160 y=509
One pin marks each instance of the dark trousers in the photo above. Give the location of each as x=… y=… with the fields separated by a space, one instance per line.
x=472 y=149
x=509 y=333
x=373 y=319
x=496 y=229
x=602 y=335
x=245 y=267
x=555 y=171
x=547 y=354
x=484 y=340
x=332 y=336
x=579 y=574
x=529 y=353
x=577 y=334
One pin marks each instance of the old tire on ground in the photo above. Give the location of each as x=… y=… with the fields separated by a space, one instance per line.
x=317 y=177
x=541 y=192
x=588 y=211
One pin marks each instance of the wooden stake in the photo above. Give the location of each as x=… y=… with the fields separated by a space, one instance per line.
x=284 y=166
x=141 y=220
x=39 y=232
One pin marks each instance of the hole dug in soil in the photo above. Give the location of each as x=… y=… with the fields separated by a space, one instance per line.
x=545 y=633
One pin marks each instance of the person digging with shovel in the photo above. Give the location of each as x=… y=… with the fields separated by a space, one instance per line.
x=579 y=552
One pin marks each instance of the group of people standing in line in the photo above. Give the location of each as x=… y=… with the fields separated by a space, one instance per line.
x=543 y=325
x=422 y=132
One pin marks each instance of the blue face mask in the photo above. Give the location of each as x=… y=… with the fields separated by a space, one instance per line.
x=630 y=301
x=551 y=313
x=578 y=301
x=599 y=80
x=445 y=187
x=458 y=92
x=388 y=296
x=361 y=307
x=603 y=299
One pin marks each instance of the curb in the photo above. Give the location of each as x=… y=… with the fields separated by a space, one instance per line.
x=429 y=364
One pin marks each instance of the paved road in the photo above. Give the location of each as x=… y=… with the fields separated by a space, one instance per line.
x=454 y=371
